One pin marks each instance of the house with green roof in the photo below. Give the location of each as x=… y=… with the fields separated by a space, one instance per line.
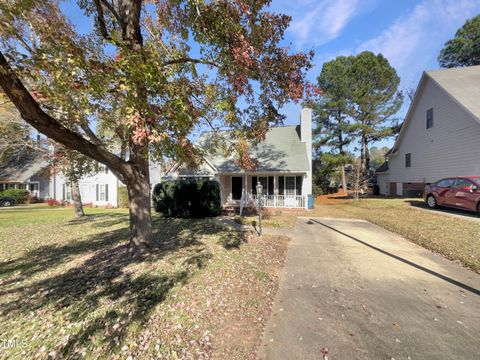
x=284 y=168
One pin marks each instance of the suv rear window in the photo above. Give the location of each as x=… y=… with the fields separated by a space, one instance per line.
x=445 y=183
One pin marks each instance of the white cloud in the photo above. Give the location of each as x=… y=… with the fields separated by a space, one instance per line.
x=412 y=42
x=318 y=22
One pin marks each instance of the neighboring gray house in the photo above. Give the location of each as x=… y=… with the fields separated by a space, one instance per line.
x=285 y=168
x=29 y=171
x=440 y=136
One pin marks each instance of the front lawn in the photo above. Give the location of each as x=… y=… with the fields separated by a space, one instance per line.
x=69 y=288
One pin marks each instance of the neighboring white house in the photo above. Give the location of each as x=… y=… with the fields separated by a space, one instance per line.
x=99 y=189
x=440 y=136
x=284 y=168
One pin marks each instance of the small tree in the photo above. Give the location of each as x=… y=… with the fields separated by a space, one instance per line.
x=357 y=179
x=377 y=156
x=73 y=166
x=464 y=48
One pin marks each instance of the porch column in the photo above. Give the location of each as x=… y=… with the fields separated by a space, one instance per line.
x=245 y=188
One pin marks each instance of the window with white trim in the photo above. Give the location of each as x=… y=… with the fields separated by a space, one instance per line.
x=290 y=185
x=67 y=192
x=102 y=192
x=290 y=188
x=267 y=184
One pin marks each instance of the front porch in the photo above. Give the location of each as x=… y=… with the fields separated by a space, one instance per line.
x=33 y=187
x=280 y=190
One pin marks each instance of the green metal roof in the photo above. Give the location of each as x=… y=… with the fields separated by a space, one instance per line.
x=282 y=150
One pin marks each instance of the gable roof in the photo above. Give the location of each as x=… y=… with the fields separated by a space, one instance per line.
x=20 y=168
x=282 y=150
x=461 y=84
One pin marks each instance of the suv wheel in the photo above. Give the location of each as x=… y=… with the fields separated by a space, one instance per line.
x=478 y=209
x=431 y=202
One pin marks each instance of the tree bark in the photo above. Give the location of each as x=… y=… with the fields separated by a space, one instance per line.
x=138 y=188
x=364 y=155
x=76 y=197
x=344 y=180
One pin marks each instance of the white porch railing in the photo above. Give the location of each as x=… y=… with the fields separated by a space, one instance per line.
x=282 y=201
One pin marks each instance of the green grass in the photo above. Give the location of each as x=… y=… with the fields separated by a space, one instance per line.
x=41 y=214
x=70 y=289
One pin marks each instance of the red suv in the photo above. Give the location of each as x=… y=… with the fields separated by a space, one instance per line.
x=457 y=192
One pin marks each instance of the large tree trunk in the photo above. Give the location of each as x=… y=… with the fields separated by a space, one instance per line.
x=138 y=188
x=344 y=180
x=76 y=197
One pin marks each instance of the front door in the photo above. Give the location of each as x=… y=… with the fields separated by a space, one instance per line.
x=237 y=186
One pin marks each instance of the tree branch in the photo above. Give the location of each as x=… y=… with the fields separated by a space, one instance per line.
x=32 y=113
x=101 y=21
x=188 y=60
x=112 y=10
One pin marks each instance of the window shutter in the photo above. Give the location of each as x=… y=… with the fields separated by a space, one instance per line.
x=63 y=192
x=298 y=183
x=254 y=185
x=96 y=192
x=106 y=192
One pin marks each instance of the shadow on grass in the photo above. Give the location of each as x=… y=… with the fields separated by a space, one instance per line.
x=233 y=239
x=103 y=278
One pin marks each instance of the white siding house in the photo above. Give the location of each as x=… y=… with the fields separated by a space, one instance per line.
x=440 y=136
x=99 y=189
x=284 y=168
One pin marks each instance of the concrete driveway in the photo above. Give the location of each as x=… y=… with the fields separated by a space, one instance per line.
x=352 y=290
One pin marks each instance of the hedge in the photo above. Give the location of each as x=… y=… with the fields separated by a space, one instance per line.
x=122 y=196
x=187 y=199
x=19 y=195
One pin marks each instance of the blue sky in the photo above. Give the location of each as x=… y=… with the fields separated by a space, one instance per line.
x=409 y=33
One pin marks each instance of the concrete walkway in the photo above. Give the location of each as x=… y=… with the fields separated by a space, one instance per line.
x=352 y=290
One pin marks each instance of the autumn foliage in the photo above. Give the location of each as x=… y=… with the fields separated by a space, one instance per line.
x=145 y=79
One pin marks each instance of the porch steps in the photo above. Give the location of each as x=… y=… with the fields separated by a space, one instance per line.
x=228 y=210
